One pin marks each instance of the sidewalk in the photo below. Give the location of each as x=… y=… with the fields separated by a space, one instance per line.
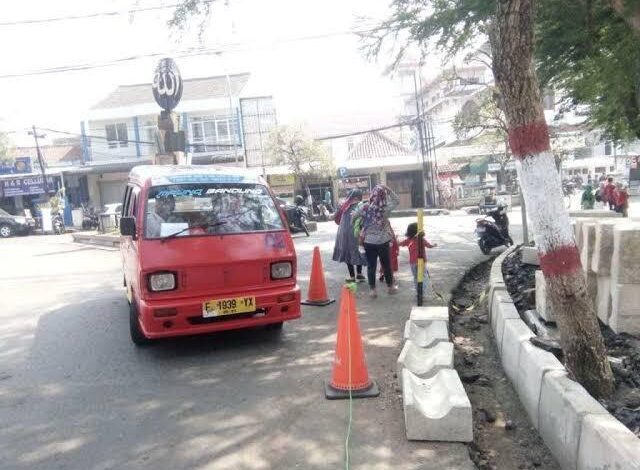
x=95 y=238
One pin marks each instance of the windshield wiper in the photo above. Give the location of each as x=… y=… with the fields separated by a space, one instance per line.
x=203 y=226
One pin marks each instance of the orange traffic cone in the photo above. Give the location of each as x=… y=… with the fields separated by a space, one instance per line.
x=317 y=287
x=350 y=375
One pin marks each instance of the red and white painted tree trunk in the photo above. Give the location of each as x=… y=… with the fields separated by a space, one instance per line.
x=581 y=339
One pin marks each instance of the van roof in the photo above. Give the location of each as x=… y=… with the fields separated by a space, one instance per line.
x=159 y=175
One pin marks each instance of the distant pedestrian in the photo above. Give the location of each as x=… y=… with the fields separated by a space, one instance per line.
x=588 y=199
x=346 y=249
x=328 y=202
x=600 y=192
x=609 y=193
x=375 y=235
x=411 y=242
x=622 y=200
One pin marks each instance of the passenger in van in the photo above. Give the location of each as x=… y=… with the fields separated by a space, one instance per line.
x=163 y=212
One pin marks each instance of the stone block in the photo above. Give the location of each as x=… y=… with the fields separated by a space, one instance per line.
x=533 y=363
x=530 y=255
x=605 y=443
x=436 y=409
x=603 y=247
x=588 y=242
x=493 y=290
x=593 y=213
x=603 y=299
x=515 y=332
x=625 y=308
x=543 y=305
x=504 y=310
x=427 y=336
x=625 y=261
x=578 y=230
x=425 y=362
x=422 y=316
x=563 y=406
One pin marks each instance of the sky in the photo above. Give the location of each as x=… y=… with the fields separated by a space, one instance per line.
x=325 y=82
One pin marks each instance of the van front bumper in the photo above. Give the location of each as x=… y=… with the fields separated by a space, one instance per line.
x=189 y=320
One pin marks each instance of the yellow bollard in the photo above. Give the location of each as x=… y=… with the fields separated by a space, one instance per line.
x=420 y=264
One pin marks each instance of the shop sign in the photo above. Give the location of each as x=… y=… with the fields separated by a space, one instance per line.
x=282 y=180
x=26 y=186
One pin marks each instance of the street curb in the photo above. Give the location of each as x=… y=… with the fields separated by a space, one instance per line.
x=94 y=239
x=578 y=430
x=435 y=403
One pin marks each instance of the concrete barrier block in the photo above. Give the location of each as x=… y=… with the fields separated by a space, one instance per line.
x=625 y=261
x=515 y=332
x=563 y=407
x=578 y=230
x=422 y=316
x=543 y=306
x=504 y=310
x=493 y=290
x=530 y=255
x=603 y=299
x=425 y=362
x=606 y=444
x=593 y=213
x=436 y=409
x=427 y=336
x=588 y=242
x=533 y=363
x=603 y=247
x=625 y=308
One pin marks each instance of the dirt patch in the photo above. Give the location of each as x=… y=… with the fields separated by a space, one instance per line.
x=623 y=349
x=503 y=436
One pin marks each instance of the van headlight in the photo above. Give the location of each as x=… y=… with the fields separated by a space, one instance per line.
x=281 y=270
x=162 y=281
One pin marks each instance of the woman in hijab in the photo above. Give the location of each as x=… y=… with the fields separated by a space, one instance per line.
x=346 y=249
x=588 y=199
x=375 y=235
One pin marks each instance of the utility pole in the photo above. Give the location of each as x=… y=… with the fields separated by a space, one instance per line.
x=420 y=138
x=35 y=135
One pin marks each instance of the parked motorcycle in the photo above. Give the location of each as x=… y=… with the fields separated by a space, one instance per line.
x=90 y=220
x=493 y=234
x=296 y=215
x=58 y=224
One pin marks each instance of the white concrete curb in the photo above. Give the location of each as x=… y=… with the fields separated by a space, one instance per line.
x=580 y=433
x=436 y=406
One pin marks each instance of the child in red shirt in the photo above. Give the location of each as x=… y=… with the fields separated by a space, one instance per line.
x=411 y=242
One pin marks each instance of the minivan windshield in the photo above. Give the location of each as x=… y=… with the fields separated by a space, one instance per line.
x=209 y=209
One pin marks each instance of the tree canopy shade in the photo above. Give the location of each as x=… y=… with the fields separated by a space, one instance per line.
x=587 y=49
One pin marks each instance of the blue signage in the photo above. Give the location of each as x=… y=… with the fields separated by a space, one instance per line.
x=22 y=165
x=343 y=172
x=26 y=186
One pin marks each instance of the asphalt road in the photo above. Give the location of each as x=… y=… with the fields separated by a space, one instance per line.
x=76 y=394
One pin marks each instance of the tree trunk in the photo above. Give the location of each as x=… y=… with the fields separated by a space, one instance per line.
x=513 y=68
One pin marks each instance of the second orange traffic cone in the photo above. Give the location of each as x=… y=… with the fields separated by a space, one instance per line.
x=350 y=375
x=317 y=294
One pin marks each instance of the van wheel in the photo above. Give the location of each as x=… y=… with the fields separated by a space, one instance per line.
x=137 y=336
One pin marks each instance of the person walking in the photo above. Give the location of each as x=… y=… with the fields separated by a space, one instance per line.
x=346 y=249
x=609 y=193
x=622 y=200
x=588 y=199
x=375 y=235
x=327 y=200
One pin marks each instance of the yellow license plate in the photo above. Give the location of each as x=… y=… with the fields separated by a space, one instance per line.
x=219 y=307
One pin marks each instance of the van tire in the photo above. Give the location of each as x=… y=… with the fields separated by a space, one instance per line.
x=276 y=326
x=137 y=336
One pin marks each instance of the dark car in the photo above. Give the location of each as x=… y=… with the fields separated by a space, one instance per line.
x=14 y=224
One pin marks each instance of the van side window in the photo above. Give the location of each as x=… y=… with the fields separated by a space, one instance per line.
x=133 y=202
x=125 y=202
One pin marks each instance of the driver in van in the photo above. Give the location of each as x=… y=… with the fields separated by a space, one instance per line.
x=162 y=213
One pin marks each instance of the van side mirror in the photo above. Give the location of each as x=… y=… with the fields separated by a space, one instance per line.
x=128 y=227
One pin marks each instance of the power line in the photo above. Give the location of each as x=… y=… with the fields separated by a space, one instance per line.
x=227 y=48
x=92 y=15
x=350 y=134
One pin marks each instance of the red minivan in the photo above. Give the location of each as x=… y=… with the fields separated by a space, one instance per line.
x=204 y=249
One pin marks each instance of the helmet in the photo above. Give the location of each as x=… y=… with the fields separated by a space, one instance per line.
x=299 y=200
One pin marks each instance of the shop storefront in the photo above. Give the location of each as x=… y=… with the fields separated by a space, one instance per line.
x=283 y=186
x=346 y=185
x=408 y=186
x=18 y=193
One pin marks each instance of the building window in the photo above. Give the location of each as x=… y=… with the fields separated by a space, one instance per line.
x=350 y=144
x=214 y=133
x=117 y=135
x=607 y=148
